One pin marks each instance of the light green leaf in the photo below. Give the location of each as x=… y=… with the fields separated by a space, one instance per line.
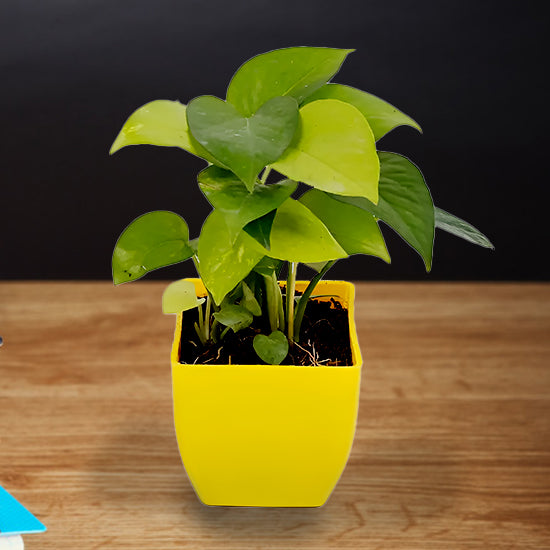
x=160 y=122
x=244 y=145
x=460 y=228
x=271 y=349
x=234 y=316
x=222 y=262
x=154 y=240
x=180 y=296
x=335 y=151
x=405 y=203
x=355 y=229
x=297 y=235
x=381 y=116
x=295 y=72
x=227 y=193
x=249 y=301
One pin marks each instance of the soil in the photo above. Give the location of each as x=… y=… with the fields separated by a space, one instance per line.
x=324 y=340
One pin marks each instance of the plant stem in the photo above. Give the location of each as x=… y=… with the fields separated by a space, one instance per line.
x=271 y=299
x=280 y=304
x=207 y=318
x=301 y=307
x=265 y=174
x=290 y=291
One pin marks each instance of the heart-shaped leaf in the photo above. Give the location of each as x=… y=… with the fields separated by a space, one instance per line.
x=297 y=235
x=180 y=296
x=334 y=151
x=234 y=316
x=227 y=193
x=355 y=229
x=460 y=228
x=295 y=72
x=160 y=122
x=381 y=116
x=222 y=262
x=271 y=349
x=154 y=240
x=244 y=145
x=405 y=203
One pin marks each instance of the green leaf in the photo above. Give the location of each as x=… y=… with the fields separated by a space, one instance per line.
x=227 y=193
x=271 y=349
x=154 y=240
x=405 y=203
x=260 y=229
x=266 y=266
x=381 y=116
x=244 y=145
x=460 y=228
x=234 y=316
x=335 y=151
x=249 y=301
x=180 y=296
x=295 y=72
x=297 y=235
x=222 y=262
x=355 y=229
x=160 y=122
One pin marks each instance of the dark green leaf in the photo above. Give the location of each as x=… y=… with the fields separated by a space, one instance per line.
x=244 y=145
x=271 y=349
x=227 y=193
x=154 y=240
x=295 y=72
x=460 y=228
x=405 y=203
x=260 y=229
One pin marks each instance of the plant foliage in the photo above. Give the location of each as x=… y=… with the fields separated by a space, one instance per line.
x=281 y=115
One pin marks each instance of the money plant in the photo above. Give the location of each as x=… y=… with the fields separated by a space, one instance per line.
x=293 y=176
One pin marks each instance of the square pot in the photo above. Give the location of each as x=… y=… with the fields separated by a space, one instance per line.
x=267 y=435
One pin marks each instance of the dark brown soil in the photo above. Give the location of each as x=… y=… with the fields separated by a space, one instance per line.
x=324 y=340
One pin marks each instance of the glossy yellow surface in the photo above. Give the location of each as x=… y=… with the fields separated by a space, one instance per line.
x=266 y=435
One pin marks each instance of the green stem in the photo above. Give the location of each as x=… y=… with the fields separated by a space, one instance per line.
x=265 y=174
x=271 y=299
x=280 y=304
x=301 y=307
x=290 y=291
x=207 y=317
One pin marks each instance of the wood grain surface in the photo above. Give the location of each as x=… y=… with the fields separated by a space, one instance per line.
x=452 y=447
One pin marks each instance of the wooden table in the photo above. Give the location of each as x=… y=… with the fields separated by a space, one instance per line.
x=452 y=447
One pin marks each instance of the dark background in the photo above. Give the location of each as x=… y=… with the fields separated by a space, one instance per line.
x=472 y=73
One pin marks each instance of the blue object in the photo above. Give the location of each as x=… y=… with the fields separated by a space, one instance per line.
x=15 y=519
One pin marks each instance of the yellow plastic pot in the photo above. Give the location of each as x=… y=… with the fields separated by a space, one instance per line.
x=266 y=435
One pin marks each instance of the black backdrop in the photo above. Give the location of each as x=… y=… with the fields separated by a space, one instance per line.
x=471 y=73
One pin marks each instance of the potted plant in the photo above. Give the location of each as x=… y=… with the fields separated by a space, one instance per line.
x=265 y=413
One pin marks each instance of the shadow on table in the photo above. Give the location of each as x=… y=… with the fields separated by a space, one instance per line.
x=388 y=488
